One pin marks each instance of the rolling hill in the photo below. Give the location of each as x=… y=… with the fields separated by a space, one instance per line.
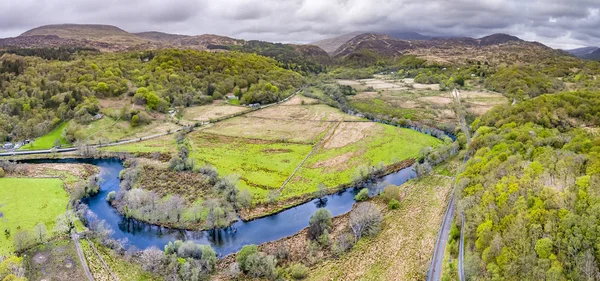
x=92 y=32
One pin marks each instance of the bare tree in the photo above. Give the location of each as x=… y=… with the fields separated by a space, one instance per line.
x=245 y=198
x=321 y=190
x=64 y=223
x=365 y=220
x=23 y=240
x=152 y=259
x=41 y=233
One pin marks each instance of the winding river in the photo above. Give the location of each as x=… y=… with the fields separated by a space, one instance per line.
x=143 y=235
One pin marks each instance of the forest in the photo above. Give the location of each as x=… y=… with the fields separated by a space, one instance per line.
x=38 y=94
x=529 y=192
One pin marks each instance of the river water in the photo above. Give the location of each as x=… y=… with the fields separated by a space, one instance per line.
x=143 y=235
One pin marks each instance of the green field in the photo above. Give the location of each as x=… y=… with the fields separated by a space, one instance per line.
x=47 y=141
x=27 y=202
x=336 y=166
x=262 y=165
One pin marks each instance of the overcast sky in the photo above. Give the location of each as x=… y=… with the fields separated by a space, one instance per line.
x=557 y=23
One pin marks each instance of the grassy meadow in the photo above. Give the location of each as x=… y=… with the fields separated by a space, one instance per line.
x=25 y=202
x=338 y=160
x=49 y=140
x=261 y=165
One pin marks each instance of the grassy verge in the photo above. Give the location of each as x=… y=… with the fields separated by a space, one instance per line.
x=26 y=202
x=49 y=140
x=402 y=250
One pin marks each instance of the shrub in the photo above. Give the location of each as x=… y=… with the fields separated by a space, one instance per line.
x=298 y=271
x=362 y=195
x=365 y=220
x=261 y=265
x=390 y=193
x=343 y=243
x=111 y=196
x=233 y=271
x=394 y=204
x=135 y=120
x=325 y=239
x=243 y=255
x=319 y=223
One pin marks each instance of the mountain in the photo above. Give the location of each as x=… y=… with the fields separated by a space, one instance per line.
x=595 y=55
x=494 y=49
x=408 y=35
x=332 y=44
x=110 y=38
x=159 y=36
x=583 y=52
x=92 y=32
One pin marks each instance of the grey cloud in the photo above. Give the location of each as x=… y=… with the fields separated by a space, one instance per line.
x=557 y=23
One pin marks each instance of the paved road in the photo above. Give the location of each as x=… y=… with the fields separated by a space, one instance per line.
x=435 y=269
x=82 y=260
x=461 y=251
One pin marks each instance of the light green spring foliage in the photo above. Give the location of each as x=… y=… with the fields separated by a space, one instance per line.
x=61 y=90
x=27 y=202
x=530 y=191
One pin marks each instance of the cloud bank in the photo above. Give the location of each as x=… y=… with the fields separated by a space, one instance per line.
x=557 y=23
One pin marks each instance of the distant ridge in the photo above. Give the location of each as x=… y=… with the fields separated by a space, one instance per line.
x=331 y=44
x=592 y=53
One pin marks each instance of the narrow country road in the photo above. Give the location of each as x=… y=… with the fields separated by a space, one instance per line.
x=72 y=149
x=82 y=260
x=435 y=270
x=461 y=251
x=437 y=261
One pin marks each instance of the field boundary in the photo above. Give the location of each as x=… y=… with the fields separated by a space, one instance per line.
x=331 y=129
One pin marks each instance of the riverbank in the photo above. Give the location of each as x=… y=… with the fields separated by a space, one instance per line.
x=279 y=206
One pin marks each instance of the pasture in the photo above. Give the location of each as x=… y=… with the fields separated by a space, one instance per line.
x=49 y=140
x=25 y=202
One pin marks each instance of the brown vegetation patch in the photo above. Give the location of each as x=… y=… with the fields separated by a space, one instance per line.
x=163 y=182
x=439 y=100
x=301 y=100
x=277 y=150
x=296 y=246
x=274 y=130
x=70 y=174
x=317 y=112
x=348 y=82
x=212 y=111
x=348 y=133
x=336 y=162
